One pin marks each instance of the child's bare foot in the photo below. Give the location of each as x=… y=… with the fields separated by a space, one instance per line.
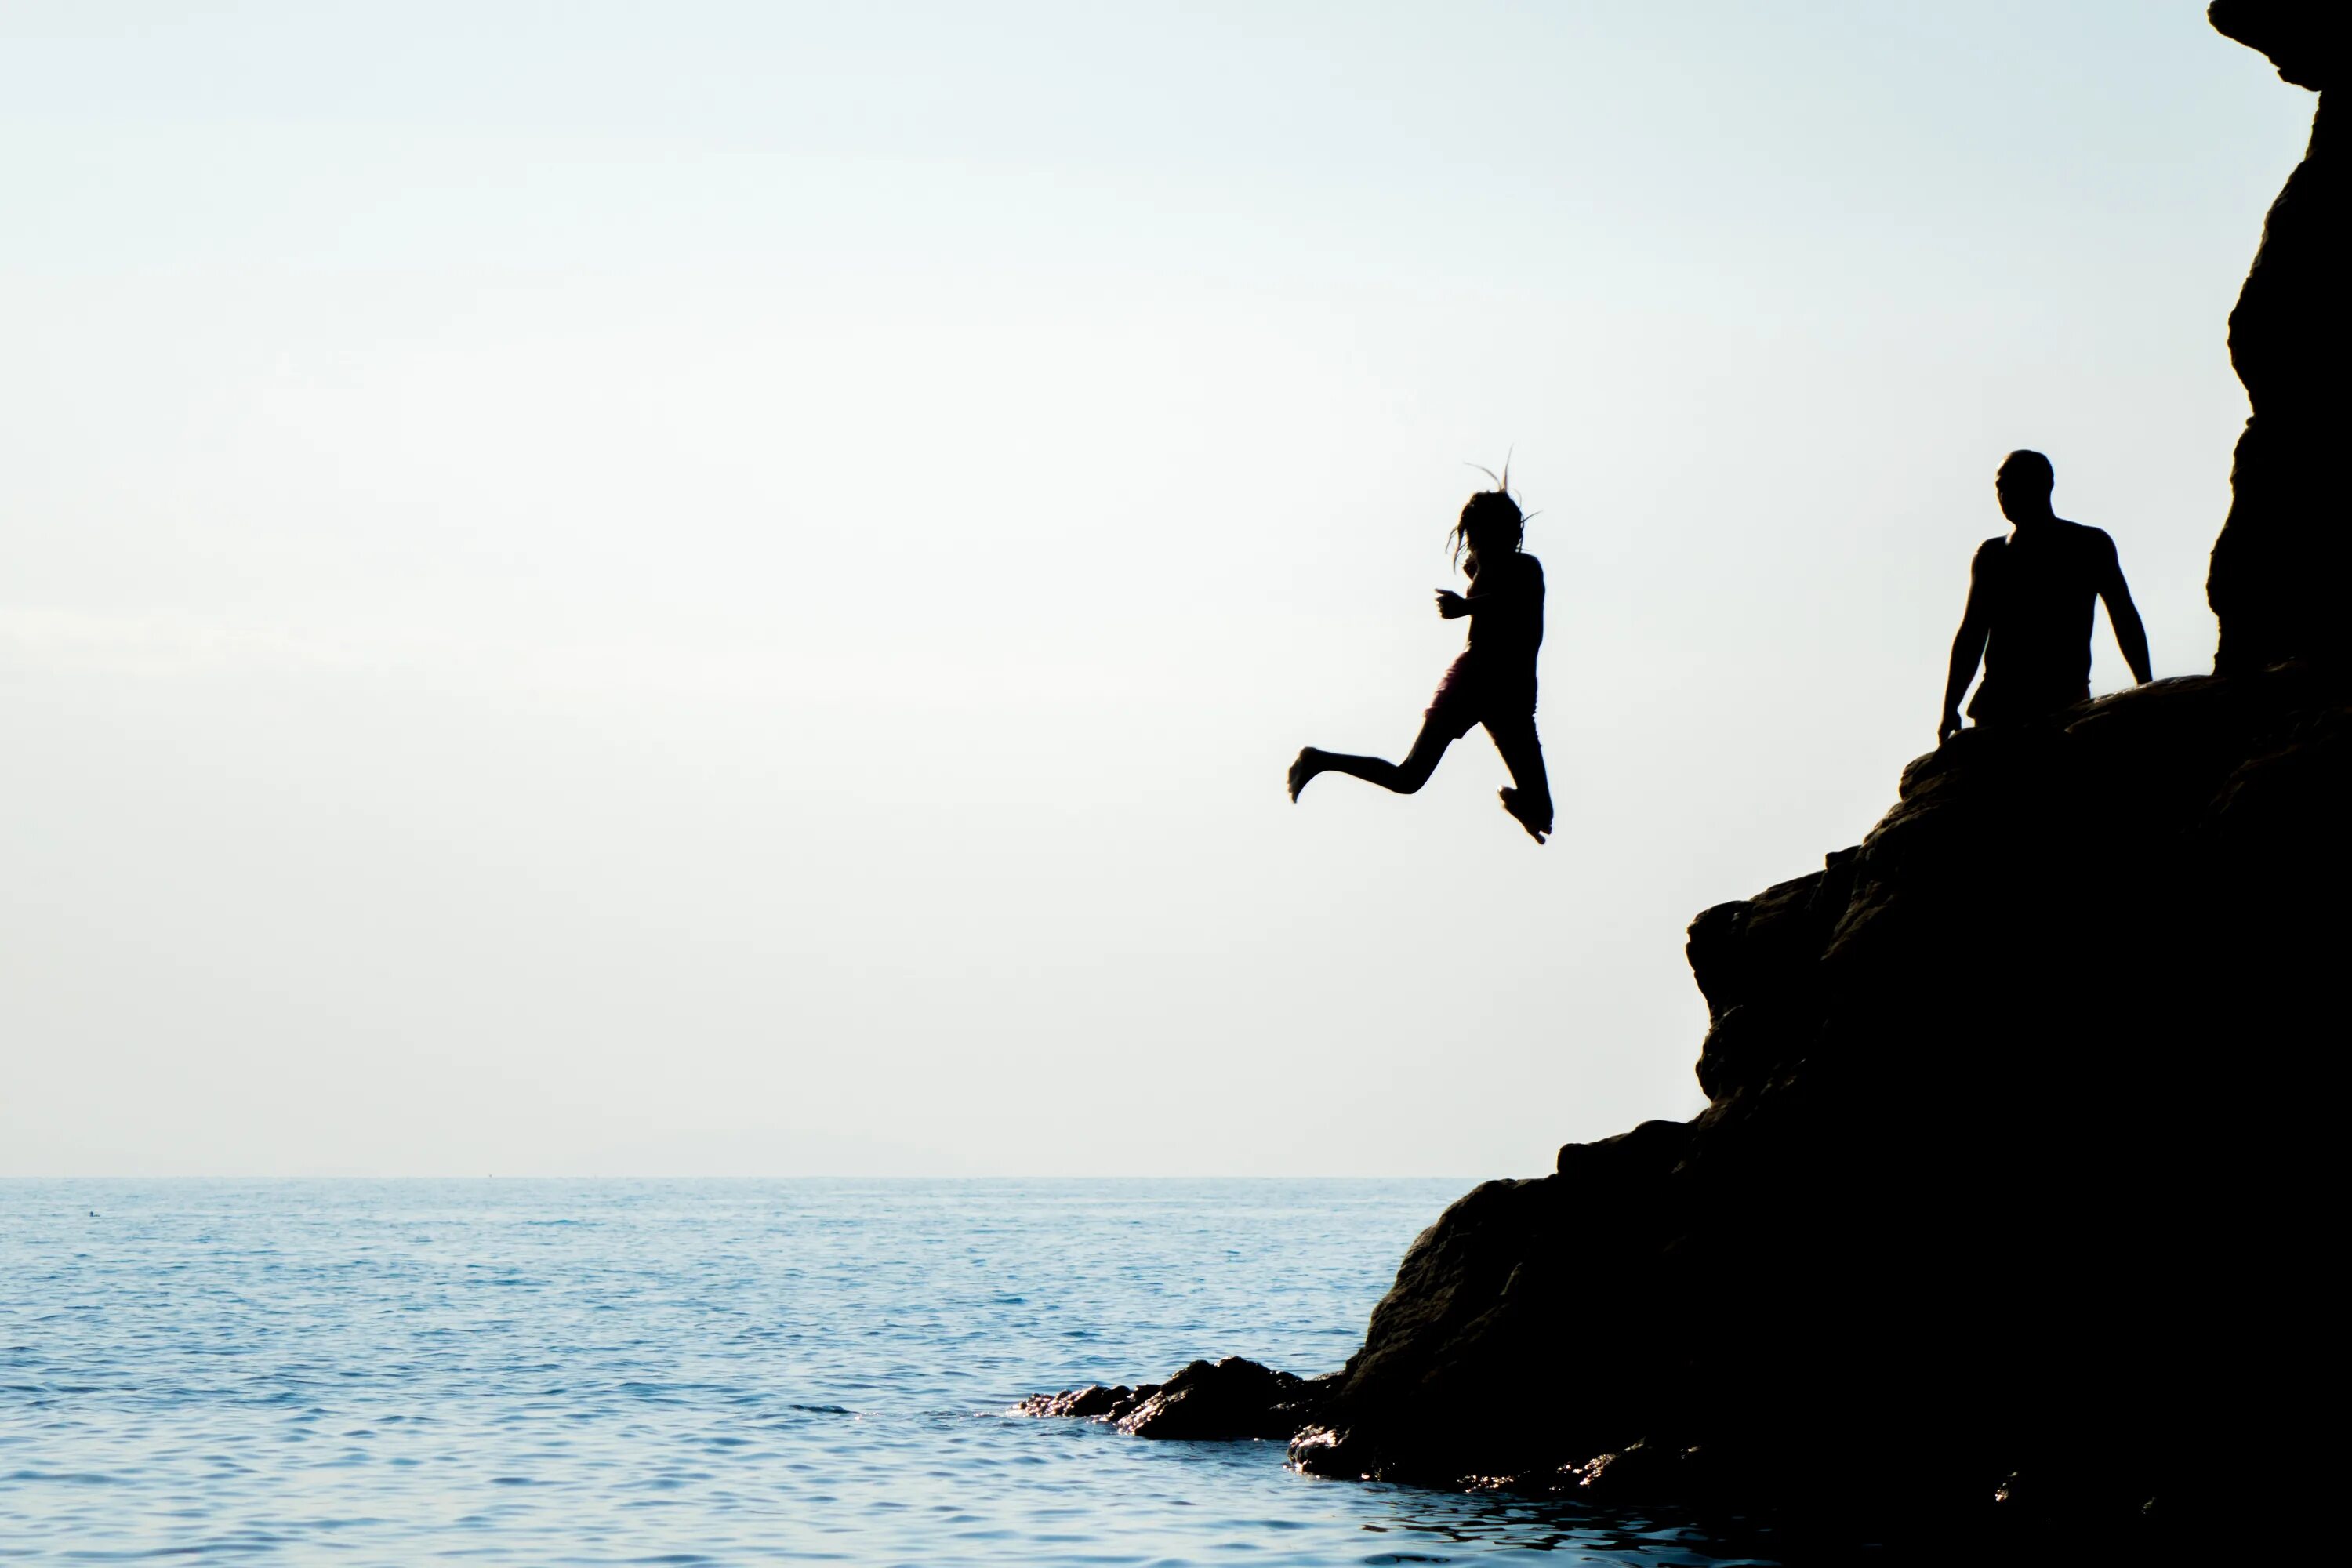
x=1309 y=764
x=1536 y=830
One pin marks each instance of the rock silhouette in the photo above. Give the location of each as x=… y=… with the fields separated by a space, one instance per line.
x=2005 y=1195
x=2013 y=1197
x=1232 y=1398
x=2279 y=568
x=1990 y=1192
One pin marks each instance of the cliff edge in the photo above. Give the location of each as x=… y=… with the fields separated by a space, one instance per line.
x=2012 y=1192
x=2011 y=1185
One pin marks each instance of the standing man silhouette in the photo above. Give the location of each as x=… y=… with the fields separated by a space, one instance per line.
x=2029 y=614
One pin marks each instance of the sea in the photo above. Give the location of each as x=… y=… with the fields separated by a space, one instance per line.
x=541 y=1373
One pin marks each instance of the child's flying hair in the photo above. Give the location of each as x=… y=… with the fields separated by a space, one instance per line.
x=1488 y=513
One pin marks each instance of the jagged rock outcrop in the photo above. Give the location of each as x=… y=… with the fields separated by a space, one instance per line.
x=1999 y=1191
x=2304 y=38
x=2015 y=1191
x=1232 y=1398
x=2014 y=1150
x=2279 y=572
x=2008 y=1187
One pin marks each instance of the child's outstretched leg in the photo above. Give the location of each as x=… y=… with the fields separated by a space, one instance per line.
x=1529 y=803
x=1403 y=777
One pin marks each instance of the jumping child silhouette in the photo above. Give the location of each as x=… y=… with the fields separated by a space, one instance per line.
x=1494 y=681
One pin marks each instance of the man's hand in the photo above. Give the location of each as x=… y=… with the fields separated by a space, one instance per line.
x=1451 y=604
x=1949 y=726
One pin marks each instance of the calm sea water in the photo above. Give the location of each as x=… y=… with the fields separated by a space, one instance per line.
x=600 y=1372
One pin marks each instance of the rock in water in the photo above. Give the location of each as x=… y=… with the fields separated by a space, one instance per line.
x=1096 y=1402
x=1229 y=1399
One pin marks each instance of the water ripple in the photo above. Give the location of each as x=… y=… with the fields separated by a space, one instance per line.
x=699 y=1372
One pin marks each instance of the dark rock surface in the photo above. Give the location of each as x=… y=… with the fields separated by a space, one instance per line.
x=2304 y=38
x=2015 y=1196
x=2002 y=1189
x=2012 y=1193
x=2279 y=569
x=1229 y=1399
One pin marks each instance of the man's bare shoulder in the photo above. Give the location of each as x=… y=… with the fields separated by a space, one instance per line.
x=2090 y=540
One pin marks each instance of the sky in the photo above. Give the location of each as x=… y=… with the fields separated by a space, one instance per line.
x=727 y=588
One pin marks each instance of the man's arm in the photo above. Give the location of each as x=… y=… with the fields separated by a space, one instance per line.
x=1968 y=647
x=2122 y=614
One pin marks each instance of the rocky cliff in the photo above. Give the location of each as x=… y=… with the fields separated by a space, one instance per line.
x=2014 y=1181
x=2009 y=1184
x=2278 y=567
x=2014 y=1192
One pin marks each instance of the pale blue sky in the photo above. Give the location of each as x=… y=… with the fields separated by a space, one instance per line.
x=728 y=588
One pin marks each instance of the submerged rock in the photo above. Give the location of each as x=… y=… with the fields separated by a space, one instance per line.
x=1232 y=1398
x=1096 y=1402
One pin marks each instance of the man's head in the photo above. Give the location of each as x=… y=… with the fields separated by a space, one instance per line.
x=2023 y=486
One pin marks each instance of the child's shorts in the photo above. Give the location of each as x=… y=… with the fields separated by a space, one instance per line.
x=1469 y=695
